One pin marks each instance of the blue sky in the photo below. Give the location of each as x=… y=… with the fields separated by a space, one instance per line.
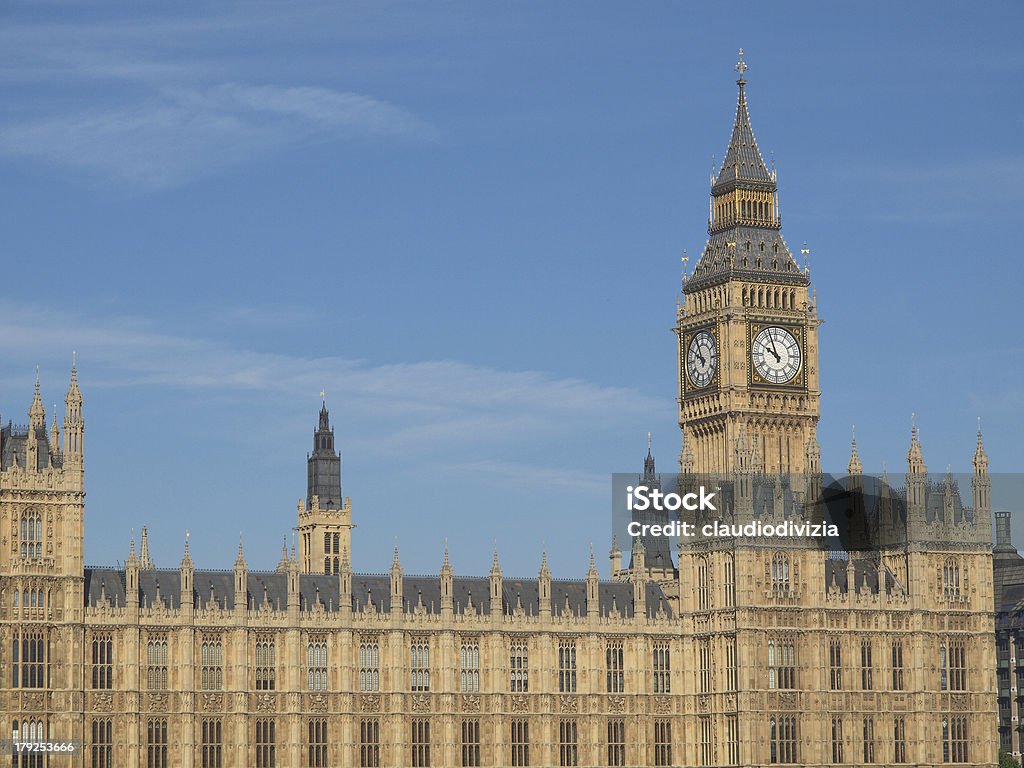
x=464 y=221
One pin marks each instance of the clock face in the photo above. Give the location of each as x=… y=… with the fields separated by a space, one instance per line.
x=702 y=359
x=776 y=355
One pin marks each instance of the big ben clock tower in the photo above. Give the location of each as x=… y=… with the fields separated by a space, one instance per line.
x=747 y=328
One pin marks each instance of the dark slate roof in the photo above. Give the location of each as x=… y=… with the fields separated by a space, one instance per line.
x=217 y=588
x=14 y=442
x=743 y=161
x=759 y=253
x=103 y=583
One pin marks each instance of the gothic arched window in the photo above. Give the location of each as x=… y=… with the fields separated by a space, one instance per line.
x=951 y=578
x=780 y=574
x=31 y=535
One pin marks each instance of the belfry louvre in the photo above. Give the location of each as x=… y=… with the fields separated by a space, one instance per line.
x=722 y=654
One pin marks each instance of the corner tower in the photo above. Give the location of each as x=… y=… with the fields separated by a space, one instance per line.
x=325 y=517
x=747 y=326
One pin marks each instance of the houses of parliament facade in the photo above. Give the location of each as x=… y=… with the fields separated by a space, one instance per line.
x=719 y=653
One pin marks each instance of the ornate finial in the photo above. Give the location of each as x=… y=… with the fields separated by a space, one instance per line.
x=394 y=560
x=446 y=551
x=323 y=395
x=648 y=442
x=37 y=378
x=187 y=535
x=495 y=563
x=685 y=259
x=131 y=549
x=741 y=67
x=805 y=252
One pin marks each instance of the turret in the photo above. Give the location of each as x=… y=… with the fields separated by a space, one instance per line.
x=639 y=578
x=544 y=586
x=917 y=477
x=854 y=466
x=186 y=573
x=36 y=412
x=593 y=588
x=396 y=585
x=74 y=424
x=981 y=484
x=293 y=585
x=241 y=580
x=131 y=578
x=345 y=586
x=145 y=561
x=496 y=589
x=615 y=558
x=447 y=584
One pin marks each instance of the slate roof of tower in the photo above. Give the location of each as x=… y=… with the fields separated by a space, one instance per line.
x=14 y=440
x=743 y=161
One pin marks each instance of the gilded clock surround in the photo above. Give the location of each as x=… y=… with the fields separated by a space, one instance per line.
x=687 y=380
x=799 y=380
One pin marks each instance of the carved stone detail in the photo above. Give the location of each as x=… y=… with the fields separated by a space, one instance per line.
x=959 y=701
x=568 y=705
x=520 y=702
x=662 y=705
x=420 y=702
x=212 y=702
x=617 y=704
x=318 y=702
x=470 y=703
x=266 y=702
x=103 y=702
x=157 y=702
x=369 y=702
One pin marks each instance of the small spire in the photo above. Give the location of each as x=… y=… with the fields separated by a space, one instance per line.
x=144 y=559
x=980 y=460
x=394 y=560
x=37 y=412
x=240 y=560
x=854 y=467
x=131 y=548
x=544 y=570
x=446 y=564
x=283 y=562
x=494 y=563
x=186 y=559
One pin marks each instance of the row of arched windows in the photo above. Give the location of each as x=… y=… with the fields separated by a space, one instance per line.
x=29 y=598
x=769 y=297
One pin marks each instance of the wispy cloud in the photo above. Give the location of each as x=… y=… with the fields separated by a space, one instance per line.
x=142 y=103
x=441 y=402
x=182 y=133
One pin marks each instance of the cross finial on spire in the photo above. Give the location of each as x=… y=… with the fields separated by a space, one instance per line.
x=741 y=67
